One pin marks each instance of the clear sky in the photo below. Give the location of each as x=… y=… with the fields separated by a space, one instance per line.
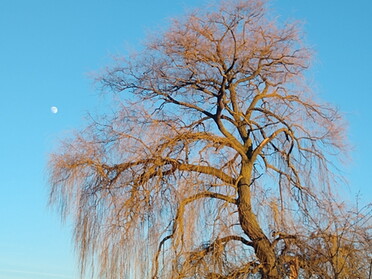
x=49 y=47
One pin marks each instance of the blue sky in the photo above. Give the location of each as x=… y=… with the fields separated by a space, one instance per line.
x=49 y=47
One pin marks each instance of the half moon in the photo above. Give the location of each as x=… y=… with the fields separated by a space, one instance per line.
x=54 y=110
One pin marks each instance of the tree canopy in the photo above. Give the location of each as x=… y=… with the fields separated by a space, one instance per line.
x=218 y=163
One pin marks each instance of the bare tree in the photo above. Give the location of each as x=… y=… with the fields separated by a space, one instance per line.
x=217 y=164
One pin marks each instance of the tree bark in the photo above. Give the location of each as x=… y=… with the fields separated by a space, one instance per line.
x=249 y=223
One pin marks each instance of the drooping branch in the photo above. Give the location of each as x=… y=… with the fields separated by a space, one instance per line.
x=178 y=223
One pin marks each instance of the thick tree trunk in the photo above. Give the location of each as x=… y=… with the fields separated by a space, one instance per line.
x=249 y=223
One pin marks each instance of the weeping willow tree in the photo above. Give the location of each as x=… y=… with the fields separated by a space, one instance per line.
x=218 y=162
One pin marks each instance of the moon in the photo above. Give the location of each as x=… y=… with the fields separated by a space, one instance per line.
x=54 y=110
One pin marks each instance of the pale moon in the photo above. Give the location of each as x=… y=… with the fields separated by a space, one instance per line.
x=54 y=110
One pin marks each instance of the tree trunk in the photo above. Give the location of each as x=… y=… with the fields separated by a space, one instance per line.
x=249 y=223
